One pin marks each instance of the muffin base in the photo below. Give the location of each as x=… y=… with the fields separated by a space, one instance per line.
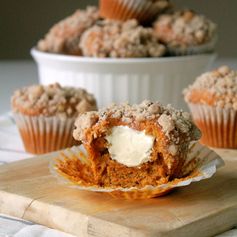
x=45 y=134
x=218 y=126
x=144 y=11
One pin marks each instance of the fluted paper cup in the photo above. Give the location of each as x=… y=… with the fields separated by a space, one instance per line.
x=45 y=134
x=200 y=164
x=143 y=10
x=218 y=126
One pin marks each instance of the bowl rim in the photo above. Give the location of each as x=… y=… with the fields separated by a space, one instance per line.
x=36 y=54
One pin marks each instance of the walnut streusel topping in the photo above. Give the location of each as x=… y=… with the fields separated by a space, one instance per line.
x=220 y=85
x=174 y=123
x=64 y=36
x=52 y=100
x=184 y=28
x=120 y=40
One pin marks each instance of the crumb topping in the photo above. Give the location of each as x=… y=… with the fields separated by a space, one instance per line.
x=83 y=122
x=184 y=28
x=118 y=39
x=220 y=84
x=174 y=123
x=64 y=36
x=52 y=100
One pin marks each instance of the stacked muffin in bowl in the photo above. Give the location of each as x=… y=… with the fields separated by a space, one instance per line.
x=64 y=36
x=128 y=48
x=117 y=39
x=181 y=32
x=186 y=33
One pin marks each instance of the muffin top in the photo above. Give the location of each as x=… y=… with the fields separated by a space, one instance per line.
x=174 y=123
x=117 y=39
x=216 y=88
x=184 y=28
x=64 y=36
x=52 y=100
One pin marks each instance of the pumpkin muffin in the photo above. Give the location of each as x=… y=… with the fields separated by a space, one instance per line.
x=63 y=37
x=118 y=39
x=45 y=115
x=212 y=100
x=132 y=145
x=186 y=32
x=144 y=10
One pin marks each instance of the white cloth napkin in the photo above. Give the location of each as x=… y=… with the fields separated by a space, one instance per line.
x=14 y=227
x=40 y=231
x=11 y=149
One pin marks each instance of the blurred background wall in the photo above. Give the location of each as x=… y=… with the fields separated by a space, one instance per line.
x=23 y=22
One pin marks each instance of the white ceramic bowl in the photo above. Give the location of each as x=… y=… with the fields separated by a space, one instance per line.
x=119 y=80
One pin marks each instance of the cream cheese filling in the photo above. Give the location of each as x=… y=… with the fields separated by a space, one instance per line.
x=128 y=146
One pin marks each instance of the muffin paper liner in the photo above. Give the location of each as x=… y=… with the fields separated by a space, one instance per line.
x=200 y=49
x=142 y=10
x=218 y=126
x=200 y=164
x=45 y=134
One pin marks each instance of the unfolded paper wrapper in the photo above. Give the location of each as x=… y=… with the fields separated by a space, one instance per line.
x=200 y=164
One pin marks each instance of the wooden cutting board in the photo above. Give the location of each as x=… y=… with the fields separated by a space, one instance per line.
x=206 y=208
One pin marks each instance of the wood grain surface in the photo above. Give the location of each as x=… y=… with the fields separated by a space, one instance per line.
x=206 y=208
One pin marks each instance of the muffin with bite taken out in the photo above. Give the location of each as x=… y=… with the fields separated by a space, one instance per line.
x=131 y=146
